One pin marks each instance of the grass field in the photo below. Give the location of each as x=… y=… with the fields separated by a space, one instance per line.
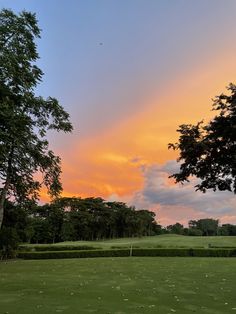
x=119 y=286
x=160 y=241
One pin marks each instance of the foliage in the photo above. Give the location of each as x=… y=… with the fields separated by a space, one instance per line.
x=194 y=232
x=201 y=227
x=14 y=230
x=46 y=221
x=208 y=152
x=227 y=230
x=177 y=228
x=8 y=242
x=16 y=217
x=73 y=219
x=170 y=252
x=24 y=117
x=61 y=247
x=196 y=252
x=207 y=226
x=93 y=219
x=74 y=254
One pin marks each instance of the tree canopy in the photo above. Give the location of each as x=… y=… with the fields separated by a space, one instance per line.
x=208 y=151
x=24 y=117
x=208 y=226
x=73 y=219
x=76 y=219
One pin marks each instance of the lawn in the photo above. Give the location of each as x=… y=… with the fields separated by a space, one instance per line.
x=159 y=241
x=119 y=286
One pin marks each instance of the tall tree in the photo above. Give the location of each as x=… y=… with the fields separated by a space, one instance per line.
x=208 y=152
x=177 y=228
x=208 y=226
x=24 y=117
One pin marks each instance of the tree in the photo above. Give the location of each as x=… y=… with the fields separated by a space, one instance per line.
x=146 y=222
x=53 y=215
x=177 y=228
x=24 y=117
x=208 y=226
x=208 y=152
x=227 y=230
x=16 y=217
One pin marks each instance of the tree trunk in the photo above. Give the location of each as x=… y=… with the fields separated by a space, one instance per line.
x=4 y=191
x=3 y=196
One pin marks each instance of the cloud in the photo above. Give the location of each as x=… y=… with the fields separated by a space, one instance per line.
x=159 y=191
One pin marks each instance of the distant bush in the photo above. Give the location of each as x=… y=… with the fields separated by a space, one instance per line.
x=165 y=252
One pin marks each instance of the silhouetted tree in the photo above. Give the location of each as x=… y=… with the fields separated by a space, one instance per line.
x=208 y=152
x=24 y=117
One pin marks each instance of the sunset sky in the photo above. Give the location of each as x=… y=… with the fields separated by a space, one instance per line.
x=129 y=72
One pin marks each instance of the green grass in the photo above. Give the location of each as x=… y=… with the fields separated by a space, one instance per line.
x=119 y=286
x=158 y=241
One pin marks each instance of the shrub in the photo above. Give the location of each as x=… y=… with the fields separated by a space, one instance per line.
x=54 y=248
x=167 y=252
x=194 y=252
x=73 y=254
x=160 y=252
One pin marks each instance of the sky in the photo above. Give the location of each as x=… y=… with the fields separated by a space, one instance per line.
x=129 y=72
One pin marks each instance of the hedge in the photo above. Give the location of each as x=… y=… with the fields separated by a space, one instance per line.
x=73 y=254
x=221 y=247
x=47 y=248
x=167 y=252
x=194 y=252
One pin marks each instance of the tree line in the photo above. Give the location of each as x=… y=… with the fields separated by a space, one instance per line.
x=203 y=227
x=74 y=219
x=90 y=219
